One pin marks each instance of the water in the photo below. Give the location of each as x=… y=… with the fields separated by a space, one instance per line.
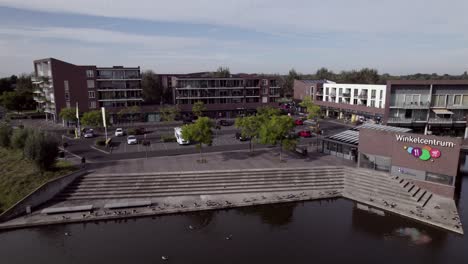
x=331 y=231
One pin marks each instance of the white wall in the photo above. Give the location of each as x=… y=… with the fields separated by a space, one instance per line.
x=380 y=92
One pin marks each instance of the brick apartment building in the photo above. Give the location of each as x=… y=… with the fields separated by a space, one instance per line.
x=225 y=97
x=60 y=84
x=438 y=107
x=312 y=88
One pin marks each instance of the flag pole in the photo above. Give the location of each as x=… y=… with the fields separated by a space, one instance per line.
x=78 y=118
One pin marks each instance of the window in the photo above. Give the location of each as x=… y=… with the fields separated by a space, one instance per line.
x=89 y=73
x=92 y=104
x=373 y=93
x=465 y=100
x=355 y=92
x=65 y=85
x=355 y=101
x=91 y=94
x=265 y=82
x=457 y=99
x=439 y=100
x=67 y=96
x=326 y=91
x=372 y=103
x=90 y=83
x=381 y=95
x=340 y=92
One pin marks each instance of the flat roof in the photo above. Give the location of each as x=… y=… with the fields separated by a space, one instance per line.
x=351 y=136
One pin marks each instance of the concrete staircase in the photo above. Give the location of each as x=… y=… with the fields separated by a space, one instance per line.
x=144 y=185
x=373 y=185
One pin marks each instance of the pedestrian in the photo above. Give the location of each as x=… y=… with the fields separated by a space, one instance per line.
x=83 y=161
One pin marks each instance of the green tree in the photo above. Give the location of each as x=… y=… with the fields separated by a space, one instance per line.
x=277 y=130
x=266 y=113
x=250 y=127
x=313 y=110
x=42 y=149
x=5 y=135
x=324 y=74
x=68 y=114
x=198 y=108
x=222 y=72
x=19 y=137
x=169 y=113
x=131 y=112
x=288 y=86
x=152 y=88
x=24 y=83
x=199 y=132
x=93 y=118
x=13 y=101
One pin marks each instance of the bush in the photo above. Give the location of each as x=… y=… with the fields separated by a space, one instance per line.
x=19 y=137
x=168 y=138
x=100 y=142
x=132 y=131
x=5 y=136
x=42 y=149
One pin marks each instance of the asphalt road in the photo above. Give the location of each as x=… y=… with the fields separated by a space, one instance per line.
x=223 y=140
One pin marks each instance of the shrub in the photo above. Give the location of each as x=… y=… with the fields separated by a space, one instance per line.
x=19 y=137
x=42 y=149
x=132 y=131
x=100 y=142
x=168 y=138
x=5 y=136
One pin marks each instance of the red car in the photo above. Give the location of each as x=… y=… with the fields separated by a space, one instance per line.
x=299 y=122
x=304 y=133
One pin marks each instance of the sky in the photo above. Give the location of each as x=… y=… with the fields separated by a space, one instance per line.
x=262 y=36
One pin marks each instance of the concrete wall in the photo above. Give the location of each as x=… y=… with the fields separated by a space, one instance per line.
x=41 y=195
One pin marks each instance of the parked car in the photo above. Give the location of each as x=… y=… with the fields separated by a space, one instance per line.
x=223 y=122
x=119 y=132
x=304 y=133
x=89 y=133
x=132 y=140
x=240 y=137
x=299 y=122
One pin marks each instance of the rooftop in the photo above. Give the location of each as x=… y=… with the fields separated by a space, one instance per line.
x=351 y=136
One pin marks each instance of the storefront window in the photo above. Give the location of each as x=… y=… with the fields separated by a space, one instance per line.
x=439 y=178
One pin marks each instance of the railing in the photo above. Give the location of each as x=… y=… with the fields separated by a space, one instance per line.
x=410 y=105
x=440 y=120
x=347 y=94
x=400 y=120
x=363 y=96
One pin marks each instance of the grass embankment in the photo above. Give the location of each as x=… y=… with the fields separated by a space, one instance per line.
x=19 y=176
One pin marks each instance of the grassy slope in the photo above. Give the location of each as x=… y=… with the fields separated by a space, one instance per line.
x=19 y=177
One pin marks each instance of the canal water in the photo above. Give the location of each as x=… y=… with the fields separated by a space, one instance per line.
x=327 y=231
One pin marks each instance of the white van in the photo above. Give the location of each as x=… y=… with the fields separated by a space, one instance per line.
x=178 y=136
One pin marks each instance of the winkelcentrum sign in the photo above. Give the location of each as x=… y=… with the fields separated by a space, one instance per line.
x=429 y=151
x=425 y=141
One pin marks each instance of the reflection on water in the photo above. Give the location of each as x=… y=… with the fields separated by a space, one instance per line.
x=326 y=231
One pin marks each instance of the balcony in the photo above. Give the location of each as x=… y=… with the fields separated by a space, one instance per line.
x=347 y=94
x=362 y=96
x=457 y=106
x=411 y=105
x=400 y=120
x=438 y=120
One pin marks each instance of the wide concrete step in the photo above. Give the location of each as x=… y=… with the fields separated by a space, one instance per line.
x=203 y=180
x=376 y=184
x=218 y=173
x=367 y=194
x=360 y=174
x=199 y=187
x=199 y=192
x=213 y=176
x=380 y=192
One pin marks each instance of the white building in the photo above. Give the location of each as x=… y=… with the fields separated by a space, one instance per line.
x=369 y=95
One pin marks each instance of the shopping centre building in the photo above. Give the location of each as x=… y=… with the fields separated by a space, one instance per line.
x=431 y=162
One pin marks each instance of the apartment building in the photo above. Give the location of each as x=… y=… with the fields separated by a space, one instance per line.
x=342 y=100
x=312 y=88
x=60 y=84
x=430 y=107
x=226 y=97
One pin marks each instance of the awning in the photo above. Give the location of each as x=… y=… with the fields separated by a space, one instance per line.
x=442 y=112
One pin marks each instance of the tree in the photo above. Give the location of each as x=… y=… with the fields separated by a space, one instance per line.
x=169 y=113
x=24 y=84
x=6 y=84
x=152 y=88
x=324 y=74
x=93 y=118
x=289 y=83
x=222 y=72
x=199 y=132
x=5 y=136
x=131 y=112
x=250 y=127
x=313 y=110
x=12 y=101
x=42 y=149
x=19 y=137
x=68 y=114
x=198 y=108
x=277 y=130
x=266 y=113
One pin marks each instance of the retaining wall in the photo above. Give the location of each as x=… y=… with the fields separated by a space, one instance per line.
x=44 y=193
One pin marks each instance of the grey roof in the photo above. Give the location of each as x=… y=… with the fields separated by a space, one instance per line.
x=314 y=81
x=351 y=136
x=384 y=128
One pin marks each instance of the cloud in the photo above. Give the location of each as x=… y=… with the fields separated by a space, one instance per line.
x=278 y=16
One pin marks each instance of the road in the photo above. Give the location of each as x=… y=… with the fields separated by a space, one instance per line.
x=223 y=140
